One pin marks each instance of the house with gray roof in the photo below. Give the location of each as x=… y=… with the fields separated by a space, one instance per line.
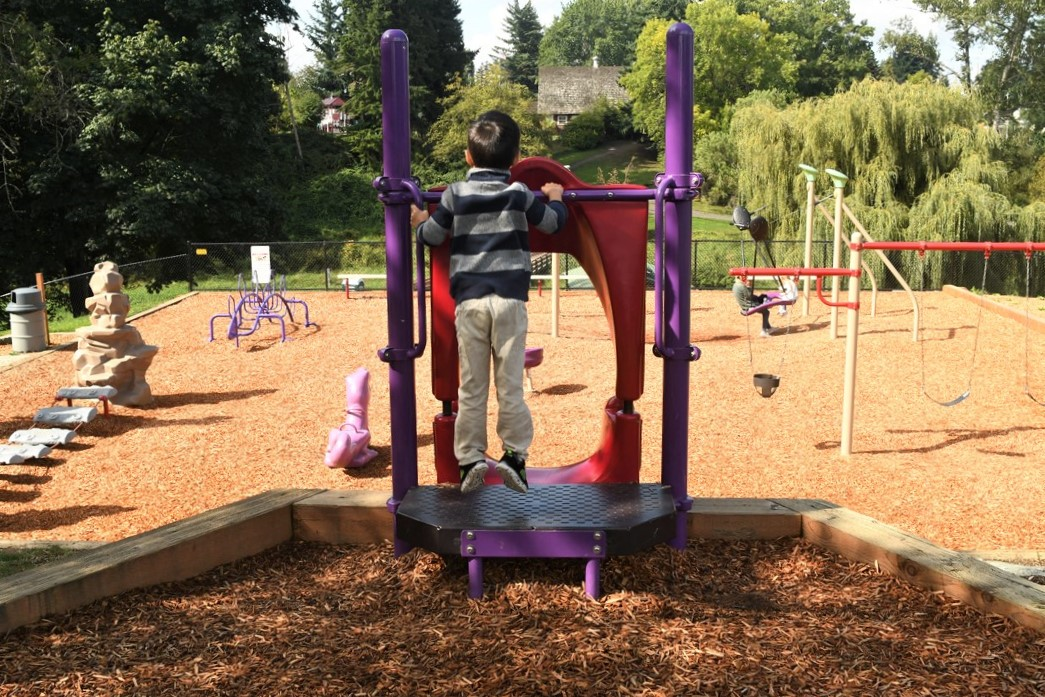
x=565 y=91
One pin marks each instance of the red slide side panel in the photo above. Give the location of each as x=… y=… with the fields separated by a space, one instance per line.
x=608 y=239
x=443 y=342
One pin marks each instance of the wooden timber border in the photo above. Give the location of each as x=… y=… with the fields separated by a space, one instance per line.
x=202 y=542
x=1017 y=314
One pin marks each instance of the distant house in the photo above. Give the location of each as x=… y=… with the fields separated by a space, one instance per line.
x=334 y=120
x=563 y=92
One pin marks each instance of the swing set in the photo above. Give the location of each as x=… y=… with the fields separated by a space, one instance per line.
x=787 y=292
x=852 y=304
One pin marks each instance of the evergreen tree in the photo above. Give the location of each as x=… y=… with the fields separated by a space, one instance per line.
x=437 y=55
x=324 y=36
x=521 y=46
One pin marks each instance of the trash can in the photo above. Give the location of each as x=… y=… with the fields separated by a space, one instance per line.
x=28 y=320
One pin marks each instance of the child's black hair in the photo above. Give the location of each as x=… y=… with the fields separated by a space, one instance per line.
x=493 y=140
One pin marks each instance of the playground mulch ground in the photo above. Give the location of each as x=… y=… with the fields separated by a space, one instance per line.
x=723 y=618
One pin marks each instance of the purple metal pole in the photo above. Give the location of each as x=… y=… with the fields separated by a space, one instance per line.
x=591 y=578
x=475 y=577
x=395 y=121
x=678 y=226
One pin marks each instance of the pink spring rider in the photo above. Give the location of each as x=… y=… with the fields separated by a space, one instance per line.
x=347 y=446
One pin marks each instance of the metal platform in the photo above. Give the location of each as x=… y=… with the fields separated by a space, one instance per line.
x=581 y=521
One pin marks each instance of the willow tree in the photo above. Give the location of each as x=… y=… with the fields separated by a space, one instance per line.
x=920 y=161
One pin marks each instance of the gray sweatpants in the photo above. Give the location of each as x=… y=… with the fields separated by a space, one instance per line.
x=491 y=326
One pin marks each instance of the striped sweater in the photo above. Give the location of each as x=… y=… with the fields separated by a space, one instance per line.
x=487 y=220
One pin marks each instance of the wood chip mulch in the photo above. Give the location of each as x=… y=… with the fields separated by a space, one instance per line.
x=722 y=618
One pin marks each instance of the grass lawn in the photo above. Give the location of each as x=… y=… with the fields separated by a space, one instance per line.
x=614 y=163
x=13 y=560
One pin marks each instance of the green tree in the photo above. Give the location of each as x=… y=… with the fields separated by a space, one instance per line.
x=1014 y=30
x=1010 y=30
x=1037 y=183
x=910 y=53
x=305 y=94
x=521 y=44
x=167 y=135
x=41 y=114
x=645 y=80
x=600 y=123
x=437 y=57
x=734 y=55
x=589 y=29
x=964 y=20
x=831 y=49
x=665 y=9
x=491 y=89
x=324 y=36
x=1029 y=90
x=180 y=129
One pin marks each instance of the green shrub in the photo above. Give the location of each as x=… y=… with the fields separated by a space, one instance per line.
x=338 y=206
x=584 y=131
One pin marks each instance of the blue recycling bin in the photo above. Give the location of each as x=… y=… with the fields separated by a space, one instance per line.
x=28 y=320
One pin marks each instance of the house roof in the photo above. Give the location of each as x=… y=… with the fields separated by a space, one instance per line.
x=333 y=102
x=572 y=89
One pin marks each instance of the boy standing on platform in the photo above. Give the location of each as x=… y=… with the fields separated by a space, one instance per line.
x=487 y=220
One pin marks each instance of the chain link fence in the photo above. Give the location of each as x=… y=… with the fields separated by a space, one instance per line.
x=315 y=266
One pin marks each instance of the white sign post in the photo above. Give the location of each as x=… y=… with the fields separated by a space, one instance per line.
x=260 y=265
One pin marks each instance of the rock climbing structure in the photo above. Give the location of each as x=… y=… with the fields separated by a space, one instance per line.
x=110 y=351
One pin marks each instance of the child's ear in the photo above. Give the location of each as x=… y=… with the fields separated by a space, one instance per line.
x=518 y=156
x=468 y=157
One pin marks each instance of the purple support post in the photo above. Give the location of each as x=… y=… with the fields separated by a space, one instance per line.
x=591 y=578
x=395 y=106
x=678 y=163
x=475 y=577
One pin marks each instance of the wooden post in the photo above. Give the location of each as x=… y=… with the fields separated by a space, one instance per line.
x=839 y=180
x=810 y=175
x=555 y=294
x=43 y=297
x=852 y=334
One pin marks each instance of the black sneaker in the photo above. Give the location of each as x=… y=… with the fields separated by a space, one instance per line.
x=512 y=469
x=473 y=476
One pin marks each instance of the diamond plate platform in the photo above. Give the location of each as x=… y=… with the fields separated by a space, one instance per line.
x=633 y=517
